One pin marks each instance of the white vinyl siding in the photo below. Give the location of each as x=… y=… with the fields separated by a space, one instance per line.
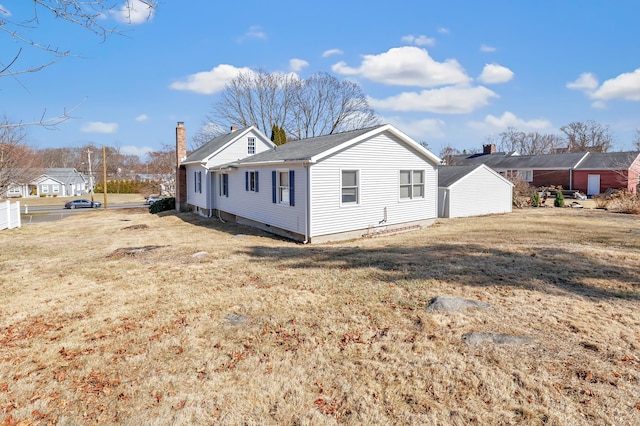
x=198 y=186
x=379 y=161
x=260 y=206
x=479 y=193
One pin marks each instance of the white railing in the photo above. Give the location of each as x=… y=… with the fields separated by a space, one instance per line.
x=9 y=215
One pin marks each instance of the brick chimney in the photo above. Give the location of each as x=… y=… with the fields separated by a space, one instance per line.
x=489 y=148
x=181 y=171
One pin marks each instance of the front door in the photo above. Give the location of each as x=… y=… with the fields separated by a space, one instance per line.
x=593 y=184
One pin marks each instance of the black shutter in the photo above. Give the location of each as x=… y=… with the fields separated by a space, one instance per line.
x=292 y=188
x=256 y=182
x=274 y=187
x=246 y=181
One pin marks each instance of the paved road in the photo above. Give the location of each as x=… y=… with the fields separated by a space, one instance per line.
x=38 y=214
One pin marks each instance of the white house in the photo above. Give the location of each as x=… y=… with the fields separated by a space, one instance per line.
x=472 y=191
x=341 y=186
x=223 y=149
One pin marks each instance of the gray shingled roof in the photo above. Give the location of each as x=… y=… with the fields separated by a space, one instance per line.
x=212 y=146
x=304 y=149
x=448 y=175
x=520 y=162
x=66 y=175
x=608 y=160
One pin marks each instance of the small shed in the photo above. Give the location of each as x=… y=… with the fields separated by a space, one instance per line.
x=472 y=191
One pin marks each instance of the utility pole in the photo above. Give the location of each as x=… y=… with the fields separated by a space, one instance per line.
x=104 y=175
x=90 y=175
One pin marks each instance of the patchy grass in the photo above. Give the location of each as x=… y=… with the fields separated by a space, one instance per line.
x=122 y=317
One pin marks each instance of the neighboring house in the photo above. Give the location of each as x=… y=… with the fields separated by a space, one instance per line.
x=598 y=172
x=54 y=182
x=472 y=191
x=611 y=170
x=60 y=182
x=335 y=187
x=223 y=149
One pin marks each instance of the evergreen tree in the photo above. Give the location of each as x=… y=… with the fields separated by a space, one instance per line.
x=559 y=201
x=278 y=135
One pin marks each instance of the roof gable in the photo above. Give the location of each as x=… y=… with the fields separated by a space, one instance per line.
x=219 y=143
x=450 y=175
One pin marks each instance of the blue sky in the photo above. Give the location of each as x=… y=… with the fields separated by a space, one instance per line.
x=446 y=73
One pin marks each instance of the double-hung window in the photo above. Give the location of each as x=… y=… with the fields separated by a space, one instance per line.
x=350 y=187
x=251 y=146
x=251 y=181
x=282 y=186
x=197 y=182
x=224 y=185
x=411 y=184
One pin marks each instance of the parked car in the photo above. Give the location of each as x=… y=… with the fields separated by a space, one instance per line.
x=80 y=204
x=152 y=199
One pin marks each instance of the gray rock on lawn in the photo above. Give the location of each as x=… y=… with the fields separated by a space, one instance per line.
x=477 y=338
x=453 y=304
x=234 y=319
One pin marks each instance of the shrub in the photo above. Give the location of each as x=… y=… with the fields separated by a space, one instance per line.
x=625 y=202
x=163 y=205
x=535 y=199
x=559 y=201
x=601 y=201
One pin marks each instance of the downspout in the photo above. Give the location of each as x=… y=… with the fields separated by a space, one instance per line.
x=306 y=205
x=444 y=201
x=210 y=192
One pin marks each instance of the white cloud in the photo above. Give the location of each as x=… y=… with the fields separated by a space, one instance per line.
x=419 y=130
x=406 y=66
x=254 y=32
x=494 y=74
x=134 y=12
x=4 y=11
x=140 y=151
x=297 y=64
x=142 y=117
x=586 y=81
x=488 y=49
x=331 y=52
x=209 y=82
x=446 y=100
x=509 y=119
x=442 y=30
x=99 y=127
x=420 y=40
x=625 y=86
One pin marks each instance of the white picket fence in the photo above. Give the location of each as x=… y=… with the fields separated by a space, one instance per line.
x=9 y=215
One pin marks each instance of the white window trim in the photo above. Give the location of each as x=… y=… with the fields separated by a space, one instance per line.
x=280 y=187
x=251 y=146
x=411 y=185
x=353 y=203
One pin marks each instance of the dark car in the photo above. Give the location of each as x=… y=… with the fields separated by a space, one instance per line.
x=80 y=204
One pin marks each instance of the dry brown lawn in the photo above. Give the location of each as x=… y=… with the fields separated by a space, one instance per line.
x=122 y=317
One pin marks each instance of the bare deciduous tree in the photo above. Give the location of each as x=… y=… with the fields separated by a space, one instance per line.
x=319 y=105
x=323 y=105
x=18 y=162
x=587 y=136
x=531 y=143
x=22 y=31
x=636 y=140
